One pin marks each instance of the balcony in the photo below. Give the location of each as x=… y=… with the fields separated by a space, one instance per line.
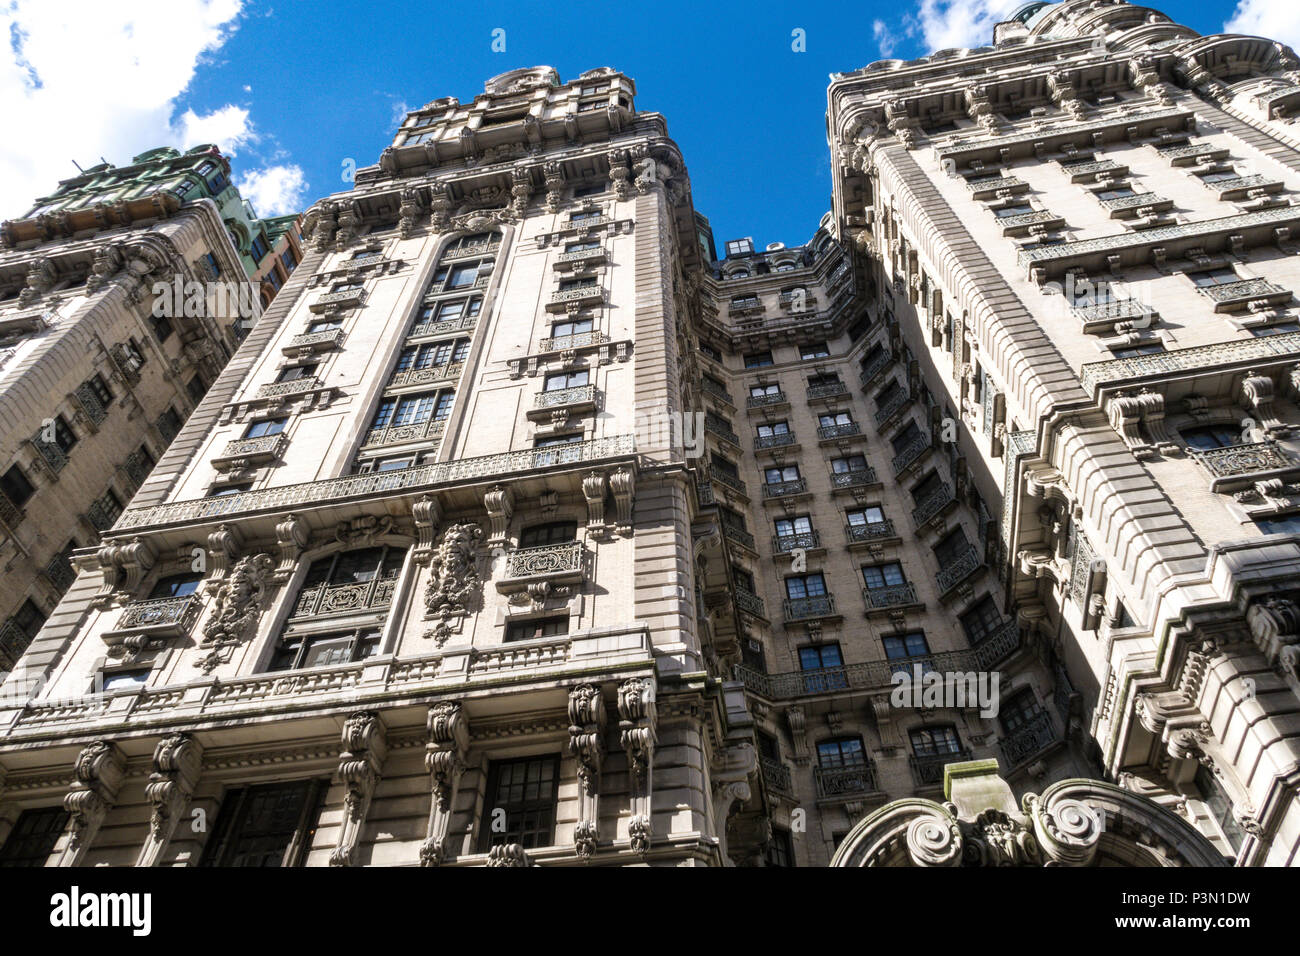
x=397 y=434
x=726 y=478
x=838 y=432
x=766 y=400
x=1238 y=465
x=360 y=262
x=890 y=597
x=1240 y=186
x=550 y=564
x=311 y=494
x=794 y=488
x=796 y=541
x=375 y=594
x=714 y=390
x=720 y=427
x=573 y=401
x=869 y=533
x=579 y=259
x=295 y=386
x=13 y=641
x=934 y=504
x=343 y=299
x=911 y=453
x=1087 y=172
x=1236 y=296
x=103 y=512
x=849 y=480
x=776 y=775
x=90 y=404
x=314 y=341
x=770 y=442
x=445 y=327
x=10 y=513
x=827 y=392
x=243 y=452
x=892 y=405
x=986 y=187
x=156 y=618
x=1104 y=315
x=1027 y=742
x=1192 y=154
x=808 y=608
x=582 y=340
x=927 y=770
x=575 y=298
x=750 y=603
x=1021 y=224
x=60 y=573
x=1130 y=205
x=958 y=571
x=471 y=250
x=839 y=782
x=740 y=536
x=871 y=371
x=433 y=375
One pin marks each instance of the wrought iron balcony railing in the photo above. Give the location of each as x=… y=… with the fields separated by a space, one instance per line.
x=103 y=511
x=871 y=531
x=316 y=341
x=927 y=769
x=785 y=543
x=850 y=781
x=1029 y=740
x=841 y=430
x=10 y=514
x=951 y=575
x=374 y=594
x=442 y=328
x=911 y=452
x=762 y=442
x=891 y=595
x=856 y=478
x=776 y=775
x=293 y=387
x=710 y=387
x=807 y=608
x=548 y=562
x=59 y=571
x=579 y=340
x=161 y=617
x=447 y=372
x=471 y=250
x=1234 y=461
x=750 y=603
x=90 y=404
x=766 y=399
x=726 y=478
x=719 y=427
x=874 y=675
x=738 y=535
x=396 y=434
x=260 y=449
x=784 y=489
x=892 y=406
x=13 y=641
x=932 y=504
x=871 y=371
x=829 y=390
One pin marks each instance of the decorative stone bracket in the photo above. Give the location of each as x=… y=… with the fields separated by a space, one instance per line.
x=124 y=567
x=362 y=759
x=731 y=773
x=1130 y=413
x=176 y=763
x=1275 y=626
x=587 y=744
x=292 y=536
x=99 y=770
x=638 y=715
x=445 y=756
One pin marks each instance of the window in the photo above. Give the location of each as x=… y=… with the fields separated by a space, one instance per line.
x=904 y=437
x=213 y=267
x=814 y=351
x=1220 y=806
x=257 y=250
x=821 y=657
x=536 y=628
x=524 y=793
x=1006 y=212
x=451 y=310
x=553 y=532
x=269 y=825
x=848 y=463
x=800 y=586
x=571 y=327
x=288 y=261
x=550 y=441
x=831 y=419
x=133 y=357
x=297 y=651
x=1213 y=277
x=744 y=301
x=584 y=215
x=1120 y=192
x=16 y=487
x=841 y=752
x=799 y=524
x=823 y=381
x=1147 y=348
x=175 y=585
x=723 y=465
x=709 y=351
x=772 y=429
x=29 y=618
x=780 y=849
x=1217 y=176
x=457 y=277
x=883 y=575
x=1205 y=437
x=325 y=325
x=737 y=274
x=861 y=517
x=1279 y=524
x=294 y=373
x=221 y=491
x=780 y=473
x=432 y=355
x=758 y=360
x=558 y=381
x=414 y=409
x=122 y=680
x=935 y=741
x=903 y=646
x=785 y=267
x=582 y=192
x=981 y=620
x=585 y=282
x=63 y=435
x=1016 y=712
x=273 y=279
x=739 y=247
x=196 y=388
x=927 y=486
x=267 y=426
x=162 y=328
x=32 y=839
x=764 y=391
x=744 y=580
x=952 y=547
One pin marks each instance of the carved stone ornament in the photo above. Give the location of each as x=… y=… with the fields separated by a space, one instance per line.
x=587 y=744
x=362 y=758
x=454 y=580
x=99 y=770
x=177 y=760
x=445 y=758
x=238 y=605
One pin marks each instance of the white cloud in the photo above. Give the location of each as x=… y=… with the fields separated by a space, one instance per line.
x=885 y=38
x=274 y=190
x=1274 y=19
x=81 y=79
x=958 y=24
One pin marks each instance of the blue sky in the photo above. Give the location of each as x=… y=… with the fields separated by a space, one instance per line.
x=295 y=89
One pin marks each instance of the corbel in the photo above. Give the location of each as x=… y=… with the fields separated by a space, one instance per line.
x=587 y=744
x=362 y=759
x=292 y=536
x=445 y=758
x=637 y=712
x=99 y=770
x=500 y=505
x=177 y=760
